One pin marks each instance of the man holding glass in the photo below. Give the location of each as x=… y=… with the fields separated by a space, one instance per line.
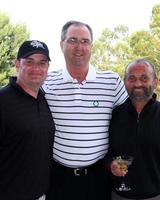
x=135 y=131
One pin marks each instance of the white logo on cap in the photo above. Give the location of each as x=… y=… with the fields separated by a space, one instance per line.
x=37 y=44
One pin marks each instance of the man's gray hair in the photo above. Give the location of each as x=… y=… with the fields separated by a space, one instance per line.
x=76 y=23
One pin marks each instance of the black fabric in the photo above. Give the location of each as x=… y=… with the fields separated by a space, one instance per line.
x=93 y=186
x=26 y=139
x=83 y=171
x=137 y=136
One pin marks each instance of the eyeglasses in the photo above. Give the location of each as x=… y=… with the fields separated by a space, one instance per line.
x=74 y=41
x=31 y=63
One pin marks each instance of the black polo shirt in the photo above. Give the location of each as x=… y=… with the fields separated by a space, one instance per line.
x=26 y=139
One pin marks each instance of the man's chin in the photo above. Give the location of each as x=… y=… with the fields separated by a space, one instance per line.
x=140 y=98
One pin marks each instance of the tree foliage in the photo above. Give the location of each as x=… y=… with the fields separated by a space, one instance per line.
x=116 y=48
x=11 y=36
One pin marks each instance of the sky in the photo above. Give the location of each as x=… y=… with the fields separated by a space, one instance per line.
x=45 y=18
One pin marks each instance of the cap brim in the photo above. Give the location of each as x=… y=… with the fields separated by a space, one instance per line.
x=35 y=52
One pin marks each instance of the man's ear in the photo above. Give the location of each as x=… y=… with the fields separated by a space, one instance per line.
x=17 y=64
x=155 y=83
x=61 y=45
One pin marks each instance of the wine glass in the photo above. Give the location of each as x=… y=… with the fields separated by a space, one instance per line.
x=124 y=162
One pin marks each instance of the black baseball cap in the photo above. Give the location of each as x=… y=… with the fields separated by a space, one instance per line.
x=30 y=47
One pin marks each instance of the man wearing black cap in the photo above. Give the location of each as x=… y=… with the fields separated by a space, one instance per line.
x=26 y=127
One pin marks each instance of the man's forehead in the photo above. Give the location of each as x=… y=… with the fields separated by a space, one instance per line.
x=139 y=68
x=74 y=30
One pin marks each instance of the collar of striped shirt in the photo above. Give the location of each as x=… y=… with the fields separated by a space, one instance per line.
x=91 y=75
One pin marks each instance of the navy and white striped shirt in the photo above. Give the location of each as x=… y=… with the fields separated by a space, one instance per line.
x=82 y=113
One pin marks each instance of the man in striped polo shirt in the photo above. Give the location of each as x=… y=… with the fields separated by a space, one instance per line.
x=81 y=101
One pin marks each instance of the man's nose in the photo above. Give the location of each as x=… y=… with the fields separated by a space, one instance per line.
x=79 y=44
x=138 y=83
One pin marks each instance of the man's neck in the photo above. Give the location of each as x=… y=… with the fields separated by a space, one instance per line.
x=33 y=91
x=78 y=73
x=139 y=105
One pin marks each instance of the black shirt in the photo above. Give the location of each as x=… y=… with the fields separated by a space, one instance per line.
x=137 y=135
x=26 y=139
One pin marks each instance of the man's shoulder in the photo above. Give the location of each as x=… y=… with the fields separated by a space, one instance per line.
x=54 y=74
x=52 y=79
x=122 y=106
x=5 y=89
x=6 y=93
x=109 y=78
x=106 y=73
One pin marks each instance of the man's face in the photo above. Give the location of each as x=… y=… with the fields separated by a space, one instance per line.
x=77 y=46
x=32 y=70
x=140 y=82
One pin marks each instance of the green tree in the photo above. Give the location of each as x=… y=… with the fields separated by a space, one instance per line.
x=115 y=49
x=112 y=50
x=11 y=36
x=155 y=21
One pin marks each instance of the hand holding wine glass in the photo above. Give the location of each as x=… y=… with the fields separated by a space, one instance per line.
x=119 y=167
x=116 y=168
